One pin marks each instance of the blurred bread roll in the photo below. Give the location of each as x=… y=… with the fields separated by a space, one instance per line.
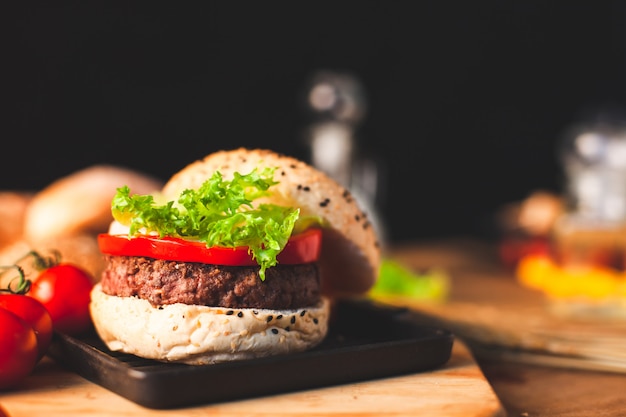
x=535 y=215
x=64 y=217
x=12 y=213
x=80 y=203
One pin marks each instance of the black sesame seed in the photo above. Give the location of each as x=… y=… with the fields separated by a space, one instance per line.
x=357 y=217
x=293 y=319
x=287 y=329
x=240 y=314
x=315 y=320
x=269 y=318
x=299 y=186
x=230 y=312
x=302 y=313
x=280 y=316
x=325 y=202
x=255 y=312
x=275 y=331
x=307 y=188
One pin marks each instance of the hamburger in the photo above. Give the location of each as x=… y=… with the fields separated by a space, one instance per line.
x=240 y=255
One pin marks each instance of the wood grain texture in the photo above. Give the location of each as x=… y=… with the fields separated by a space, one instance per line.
x=457 y=389
x=498 y=317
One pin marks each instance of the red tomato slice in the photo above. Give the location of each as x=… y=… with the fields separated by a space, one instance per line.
x=301 y=248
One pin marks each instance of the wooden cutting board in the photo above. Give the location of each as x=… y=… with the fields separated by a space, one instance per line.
x=497 y=317
x=457 y=389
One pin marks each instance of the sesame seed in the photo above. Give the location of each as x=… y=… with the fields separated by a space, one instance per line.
x=302 y=313
x=280 y=316
x=275 y=331
x=293 y=319
x=315 y=320
x=240 y=314
x=287 y=329
x=230 y=312
x=269 y=318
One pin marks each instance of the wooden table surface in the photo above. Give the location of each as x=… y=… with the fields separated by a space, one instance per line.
x=527 y=385
x=475 y=382
x=457 y=389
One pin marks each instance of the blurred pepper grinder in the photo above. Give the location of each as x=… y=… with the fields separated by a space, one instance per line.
x=592 y=231
x=337 y=104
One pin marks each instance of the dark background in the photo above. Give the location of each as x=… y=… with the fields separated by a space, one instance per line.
x=466 y=99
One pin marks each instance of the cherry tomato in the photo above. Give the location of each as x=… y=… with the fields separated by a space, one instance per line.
x=301 y=248
x=34 y=313
x=18 y=349
x=64 y=289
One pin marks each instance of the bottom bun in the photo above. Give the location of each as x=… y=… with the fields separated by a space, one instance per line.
x=197 y=335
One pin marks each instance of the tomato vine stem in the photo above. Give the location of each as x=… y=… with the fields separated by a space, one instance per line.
x=23 y=284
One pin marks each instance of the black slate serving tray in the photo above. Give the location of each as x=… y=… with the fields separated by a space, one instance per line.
x=366 y=340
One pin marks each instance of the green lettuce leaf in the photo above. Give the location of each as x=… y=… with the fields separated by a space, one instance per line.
x=219 y=213
x=396 y=279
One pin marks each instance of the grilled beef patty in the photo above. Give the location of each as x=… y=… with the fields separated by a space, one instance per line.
x=168 y=282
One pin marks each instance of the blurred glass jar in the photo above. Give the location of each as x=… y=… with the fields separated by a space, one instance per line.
x=337 y=104
x=594 y=162
x=593 y=229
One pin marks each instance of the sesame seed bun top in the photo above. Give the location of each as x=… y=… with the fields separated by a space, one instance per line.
x=350 y=255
